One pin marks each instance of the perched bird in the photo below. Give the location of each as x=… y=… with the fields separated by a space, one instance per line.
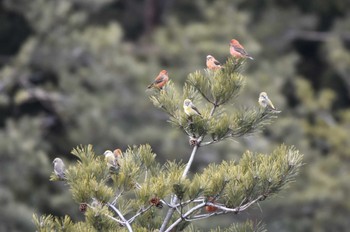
x=211 y=208
x=59 y=168
x=110 y=159
x=212 y=63
x=237 y=50
x=264 y=101
x=160 y=80
x=190 y=109
x=117 y=153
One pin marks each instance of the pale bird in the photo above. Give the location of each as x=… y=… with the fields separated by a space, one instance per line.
x=59 y=168
x=110 y=158
x=264 y=101
x=190 y=109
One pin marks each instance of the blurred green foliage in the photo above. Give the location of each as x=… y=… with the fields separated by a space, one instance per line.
x=74 y=72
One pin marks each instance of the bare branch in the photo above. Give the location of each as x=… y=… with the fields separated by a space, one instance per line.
x=185 y=216
x=200 y=199
x=229 y=135
x=127 y=224
x=141 y=211
x=225 y=210
x=117 y=196
x=114 y=219
x=187 y=168
x=174 y=198
x=109 y=216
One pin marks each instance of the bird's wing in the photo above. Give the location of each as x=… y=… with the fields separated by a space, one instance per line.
x=159 y=79
x=217 y=62
x=195 y=109
x=240 y=50
x=59 y=169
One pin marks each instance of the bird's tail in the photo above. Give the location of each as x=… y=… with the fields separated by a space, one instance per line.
x=62 y=176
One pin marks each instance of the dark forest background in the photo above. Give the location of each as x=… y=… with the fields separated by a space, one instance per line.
x=75 y=72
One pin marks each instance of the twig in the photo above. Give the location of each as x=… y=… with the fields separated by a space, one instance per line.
x=166 y=203
x=213 y=109
x=216 y=141
x=185 y=215
x=127 y=224
x=190 y=201
x=116 y=197
x=205 y=97
x=113 y=218
x=224 y=209
x=141 y=211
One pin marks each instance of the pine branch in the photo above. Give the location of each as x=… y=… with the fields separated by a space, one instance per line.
x=244 y=123
x=225 y=210
x=228 y=135
x=194 y=209
x=187 y=168
x=174 y=198
x=127 y=224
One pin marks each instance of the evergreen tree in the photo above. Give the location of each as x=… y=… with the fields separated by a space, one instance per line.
x=136 y=193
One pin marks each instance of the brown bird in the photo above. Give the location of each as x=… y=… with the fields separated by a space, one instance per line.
x=117 y=153
x=160 y=80
x=212 y=63
x=238 y=51
x=211 y=208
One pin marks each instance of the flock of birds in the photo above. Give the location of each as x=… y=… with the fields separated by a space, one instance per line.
x=236 y=50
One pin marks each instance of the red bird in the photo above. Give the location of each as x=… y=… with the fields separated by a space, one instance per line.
x=212 y=63
x=211 y=208
x=237 y=50
x=160 y=80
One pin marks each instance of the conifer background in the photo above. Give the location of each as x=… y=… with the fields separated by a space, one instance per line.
x=74 y=72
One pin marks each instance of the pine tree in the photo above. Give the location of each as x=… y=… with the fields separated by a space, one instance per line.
x=139 y=194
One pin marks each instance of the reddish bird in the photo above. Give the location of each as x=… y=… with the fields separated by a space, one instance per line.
x=160 y=80
x=237 y=50
x=117 y=153
x=212 y=63
x=211 y=208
